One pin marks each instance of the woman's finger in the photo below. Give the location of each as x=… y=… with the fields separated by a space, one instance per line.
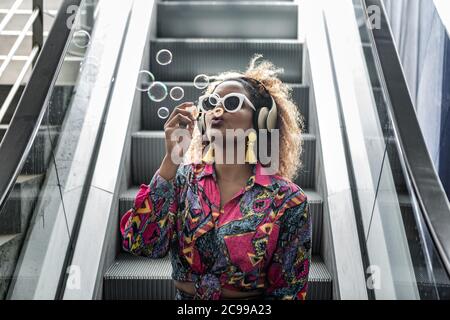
x=178 y=120
x=180 y=109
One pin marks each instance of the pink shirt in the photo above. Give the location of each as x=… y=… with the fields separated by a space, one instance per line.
x=260 y=240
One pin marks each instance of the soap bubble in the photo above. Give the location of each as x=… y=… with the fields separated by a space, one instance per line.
x=163 y=113
x=164 y=57
x=201 y=81
x=81 y=39
x=157 y=91
x=145 y=80
x=177 y=93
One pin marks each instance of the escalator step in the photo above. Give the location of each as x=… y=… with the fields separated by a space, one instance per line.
x=435 y=288
x=306 y=179
x=18 y=209
x=126 y=202
x=227 y=20
x=316 y=211
x=135 y=278
x=40 y=153
x=58 y=104
x=192 y=57
x=141 y=278
x=148 y=150
x=320 y=281
x=9 y=252
x=427 y=287
x=150 y=120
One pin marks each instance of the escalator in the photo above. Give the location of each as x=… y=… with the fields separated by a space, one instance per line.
x=201 y=42
x=43 y=170
x=18 y=210
x=379 y=212
x=420 y=196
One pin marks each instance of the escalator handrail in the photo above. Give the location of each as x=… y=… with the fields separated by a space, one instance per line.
x=32 y=105
x=425 y=181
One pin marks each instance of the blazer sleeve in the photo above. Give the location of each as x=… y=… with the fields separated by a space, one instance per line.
x=148 y=227
x=288 y=271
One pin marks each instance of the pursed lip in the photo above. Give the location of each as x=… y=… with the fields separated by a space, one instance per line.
x=217 y=121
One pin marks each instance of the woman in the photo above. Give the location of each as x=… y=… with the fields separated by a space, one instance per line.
x=233 y=230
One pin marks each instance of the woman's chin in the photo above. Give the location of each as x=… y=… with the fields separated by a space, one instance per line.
x=214 y=131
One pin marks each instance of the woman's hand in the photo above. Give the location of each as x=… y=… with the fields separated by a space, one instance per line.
x=182 y=117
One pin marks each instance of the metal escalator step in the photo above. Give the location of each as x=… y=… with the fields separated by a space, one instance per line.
x=148 y=150
x=40 y=153
x=126 y=199
x=19 y=207
x=307 y=177
x=212 y=19
x=141 y=278
x=9 y=252
x=192 y=57
x=300 y=95
x=316 y=211
x=150 y=120
x=58 y=104
x=320 y=281
x=430 y=287
x=126 y=202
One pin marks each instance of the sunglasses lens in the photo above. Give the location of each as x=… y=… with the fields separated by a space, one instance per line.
x=232 y=103
x=213 y=100
x=206 y=104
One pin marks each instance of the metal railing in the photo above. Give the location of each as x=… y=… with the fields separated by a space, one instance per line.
x=426 y=185
x=28 y=116
x=34 y=22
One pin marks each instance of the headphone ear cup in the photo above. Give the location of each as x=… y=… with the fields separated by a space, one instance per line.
x=272 y=120
x=272 y=117
x=262 y=117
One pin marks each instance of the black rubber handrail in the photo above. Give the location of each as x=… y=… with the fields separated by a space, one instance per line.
x=33 y=103
x=427 y=186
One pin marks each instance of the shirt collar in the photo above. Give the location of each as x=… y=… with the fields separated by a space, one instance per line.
x=258 y=175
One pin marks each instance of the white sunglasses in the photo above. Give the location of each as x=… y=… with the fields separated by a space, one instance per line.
x=232 y=102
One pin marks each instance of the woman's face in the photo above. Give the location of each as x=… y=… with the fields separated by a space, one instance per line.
x=242 y=119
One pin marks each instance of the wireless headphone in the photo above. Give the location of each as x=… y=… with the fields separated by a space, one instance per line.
x=263 y=118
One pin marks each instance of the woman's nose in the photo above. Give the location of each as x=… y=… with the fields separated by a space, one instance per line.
x=218 y=111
